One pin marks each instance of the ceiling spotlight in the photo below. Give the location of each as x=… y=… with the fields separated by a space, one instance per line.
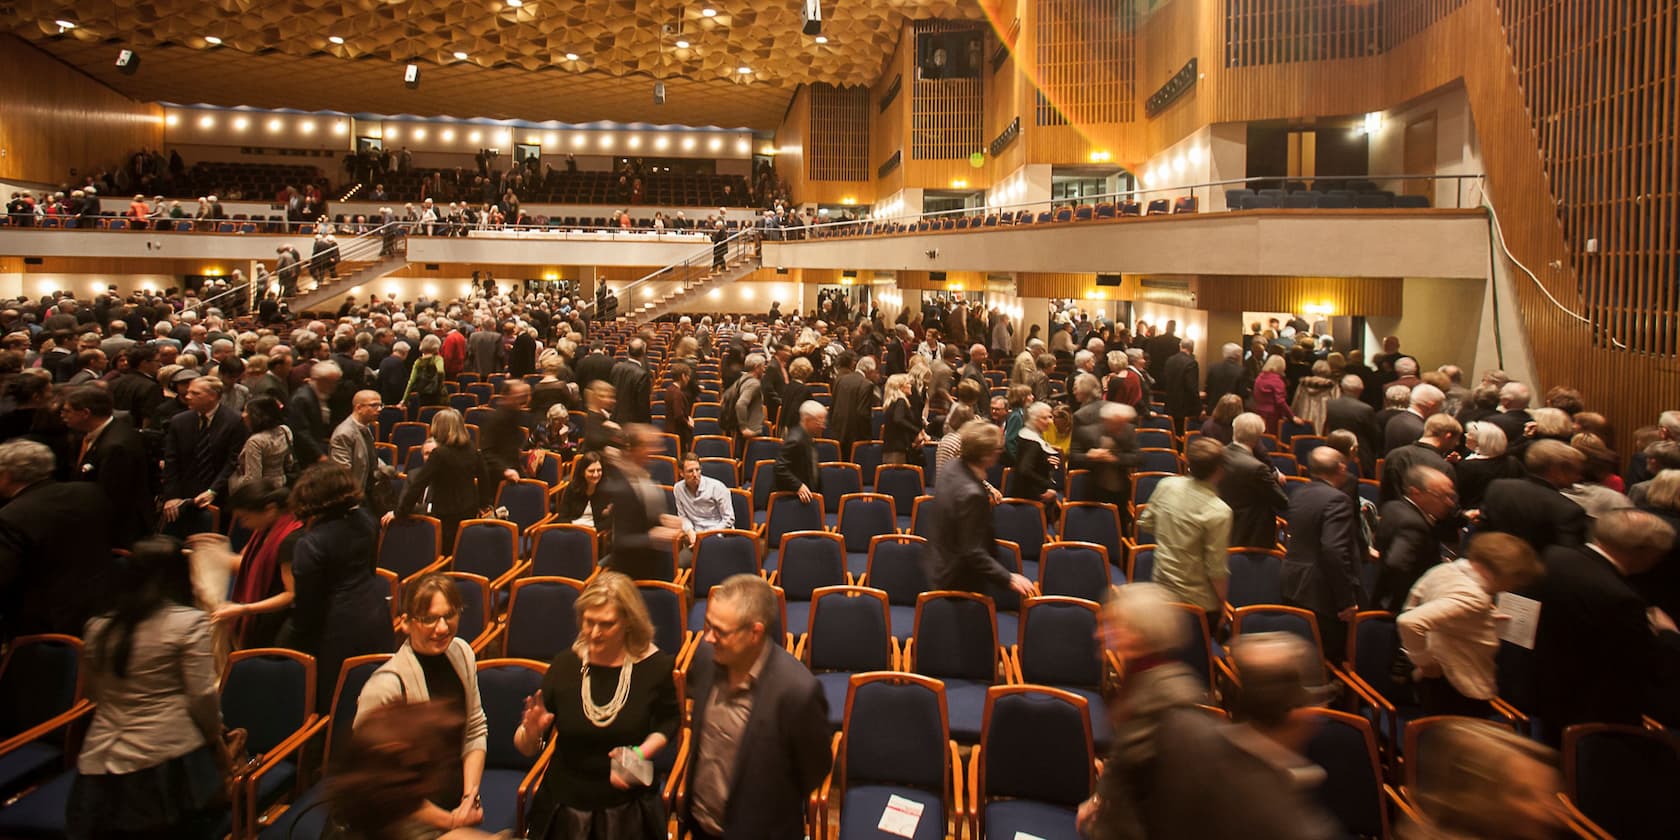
x=460 y=56
x=335 y=39
x=64 y=25
x=212 y=40
x=571 y=56
x=708 y=12
x=822 y=39
x=682 y=45
x=743 y=70
x=514 y=4
x=240 y=123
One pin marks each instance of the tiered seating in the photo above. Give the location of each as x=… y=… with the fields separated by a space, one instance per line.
x=255 y=181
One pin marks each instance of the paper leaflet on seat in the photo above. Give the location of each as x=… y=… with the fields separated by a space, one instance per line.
x=1022 y=835
x=1523 y=621
x=901 y=816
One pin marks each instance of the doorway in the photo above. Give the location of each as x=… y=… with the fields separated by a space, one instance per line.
x=1419 y=154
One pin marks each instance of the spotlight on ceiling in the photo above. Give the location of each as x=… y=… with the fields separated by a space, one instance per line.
x=411 y=76
x=708 y=12
x=128 y=62
x=212 y=40
x=460 y=56
x=65 y=25
x=682 y=45
x=744 y=70
x=335 y=39
x=822 y=39
x=514 y=4
x=813 y=17
x=571 y=56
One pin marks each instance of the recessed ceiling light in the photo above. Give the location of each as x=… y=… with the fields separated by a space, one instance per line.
x=212 y=40
x=65 y=24
x=514 y=4
x=743 y=69
x=682 y=45
x=708 y=12
x=822 y=39
x=571 y=56
x=335 y=39
x=460 y=56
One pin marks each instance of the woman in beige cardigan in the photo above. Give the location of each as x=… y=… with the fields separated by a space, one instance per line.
x=435 y=664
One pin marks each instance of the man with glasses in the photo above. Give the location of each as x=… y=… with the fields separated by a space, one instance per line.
x=1406 y=537
x=760 y=723
x=352 y=442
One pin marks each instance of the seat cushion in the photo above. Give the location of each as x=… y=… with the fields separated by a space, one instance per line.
x=1008 y=628
x=857 y=563
x=1011 y=818
x=860 y=812
x=20 y=764
x=40 y=813
x=966 y=702
x=903 y=621
x=799 y=617
x=500 y=792
x=835 y=685
x=1097 y=709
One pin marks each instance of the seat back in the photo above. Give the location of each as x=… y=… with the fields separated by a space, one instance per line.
x=863 y=516
x=838 y=480
x=1143 y=485
x=1141 y=566
x=721 y=469
x=1158 y=460
x=903 y=482
x=1074 y=569
x=763 y=484
x=956 y=636
x=503 y=685
x=850 y=630
x=1021 y=522
x=895 y=567
x=475 y=604
x=761 y=449
x=662 y=469
x=352 y=676
x=40 y=678
x=526 y=501
x=742 y=503
x=1196 y=651
x=408 y=545
x=895 y=731
x=1624 y=778
x=921 y=516
x=1092 y=522
x=563 y=550
x=1035 y=744
x=1373 y=639
x=487 y=547
x=667 y=606
x=1352 y=791
x=713 y=446
x=1058 y=643
x=788 y=514
x=542 y=617
x=268 y=692
x=1274 y=618
x=867 y=455
x=719 y=555
x=811 y=560
x=1256 y=577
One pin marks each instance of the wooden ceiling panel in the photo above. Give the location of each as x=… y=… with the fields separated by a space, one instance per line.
x=279 y=54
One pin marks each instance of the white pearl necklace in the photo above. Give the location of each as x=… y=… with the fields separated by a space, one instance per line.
x=603 y=716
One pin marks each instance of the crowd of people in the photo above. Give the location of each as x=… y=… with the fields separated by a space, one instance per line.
x=133 y=422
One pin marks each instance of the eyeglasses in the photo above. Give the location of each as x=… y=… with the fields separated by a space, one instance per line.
x=720 y=633
x=434 y=620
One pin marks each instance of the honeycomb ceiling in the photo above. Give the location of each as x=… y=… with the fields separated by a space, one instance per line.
x=281 y=53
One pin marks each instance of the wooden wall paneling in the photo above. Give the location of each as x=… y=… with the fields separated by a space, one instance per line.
x=793 y=144
x=947 y=119
x=1038 y=284
x=837 y=145
x=1380 y=296
x=889 y=132
x=57 y=119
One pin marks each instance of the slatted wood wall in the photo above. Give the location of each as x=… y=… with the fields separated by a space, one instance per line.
x=1260 y=32
x=57 y=118
x=1371 y=296
x=1402 y=19
x=947 y=119
x=1086 y=61
x=838 y=145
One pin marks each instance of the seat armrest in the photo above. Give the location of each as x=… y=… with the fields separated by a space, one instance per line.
x=972 y=811
x=826 y=788
x=678 y=767
x=1012 y=665
x=958 y=810
x=41 y=730
x=528 y=785
x=1580 y=823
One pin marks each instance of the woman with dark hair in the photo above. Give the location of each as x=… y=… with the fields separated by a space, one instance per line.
x=263 y=587
x=395 y=757
x=267 y=455
x=153 y=763
x=339 y=610
x=436 y=664
x=452 y=480
x=581 y=502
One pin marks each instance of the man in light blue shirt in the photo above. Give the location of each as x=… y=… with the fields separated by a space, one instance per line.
x=703 y=503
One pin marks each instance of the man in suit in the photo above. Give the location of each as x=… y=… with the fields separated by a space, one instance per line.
x=1084 y=362
x=136 y=390
x=961 y=551
x=853 y=399
x=1441 y=435
x=634 y=383
x=976 y=368
x=1406 y=533
x=1181 y=378
x=1251 y=487
x=594 y=366
x=113 y=457
x=393 y=373
x=55 y=545
x=749 y=399
x=1161 y=348
x=1513 y=417
x=1226 y=377
x=352 y=441
x=760 y=724
x=1407 y=426
x=1321 y=569
x=117 y=341
x=201 y=447
x=484 y=349
x=642 y=532
x=775 y=380
x=310 y=413
x=1532 y=507
x=1104 y=443
x=522 y=355
x=1353 y=414
x=1602 y=654
x=796 y=465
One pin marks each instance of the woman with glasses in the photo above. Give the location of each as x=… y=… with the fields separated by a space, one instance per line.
x=610 y=703
x=436 y=665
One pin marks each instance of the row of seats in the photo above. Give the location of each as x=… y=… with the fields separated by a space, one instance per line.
x=1311 y=199
x=1080 y=213
x=697 y=190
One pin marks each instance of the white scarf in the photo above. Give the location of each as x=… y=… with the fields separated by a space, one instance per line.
x=1029 y=433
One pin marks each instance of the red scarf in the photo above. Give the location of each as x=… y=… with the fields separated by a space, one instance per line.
x=260 y=561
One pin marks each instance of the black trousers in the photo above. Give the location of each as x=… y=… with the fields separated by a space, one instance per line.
x=1438 y=697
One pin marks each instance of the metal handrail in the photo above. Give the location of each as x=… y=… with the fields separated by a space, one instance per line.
x=219 y=295
x=686 y=273
x=1143 y=195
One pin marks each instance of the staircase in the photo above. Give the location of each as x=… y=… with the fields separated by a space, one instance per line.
x=365 y=254
x=685 y=281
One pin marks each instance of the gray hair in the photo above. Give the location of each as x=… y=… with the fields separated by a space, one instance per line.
x=1134 y=355
x=1514 y=395
x=753 y=362
x=430 y=344
x=1117 y=411
x=1398 y=396
x=325 y=367
x=1035 y=409
x=750 y=594
x=1230 y=351
x=1085 y=383
x=1352 y=383
x=26 y=461
x=812 y=408
x=1148 y=612
x=1427 y=394
x=1486 y=439
x=1406 y=366
x=1669 y=421
x=1623 y=529
x=1247 y=427
x=1083 y=356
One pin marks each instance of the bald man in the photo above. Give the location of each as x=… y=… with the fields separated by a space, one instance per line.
x=1321 y=569
x=352 y=441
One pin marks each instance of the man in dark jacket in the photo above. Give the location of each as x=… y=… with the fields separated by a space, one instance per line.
x=1321 y=568
x=113 y=458
x=55 y=545
x=594 y=366
x=1350 y=412
x=1251 y=487
x=1227 y=377
x=642 y=532
x=137 y=391
x=796 y=468
x=1532 y=507
x=393 y=374
x=634 y=383
x=1406 y=534
x=1103 y=442
x=961 y=551
x=311 y=415
x=1181 y=378
x=854 y=397
x=201 y=448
